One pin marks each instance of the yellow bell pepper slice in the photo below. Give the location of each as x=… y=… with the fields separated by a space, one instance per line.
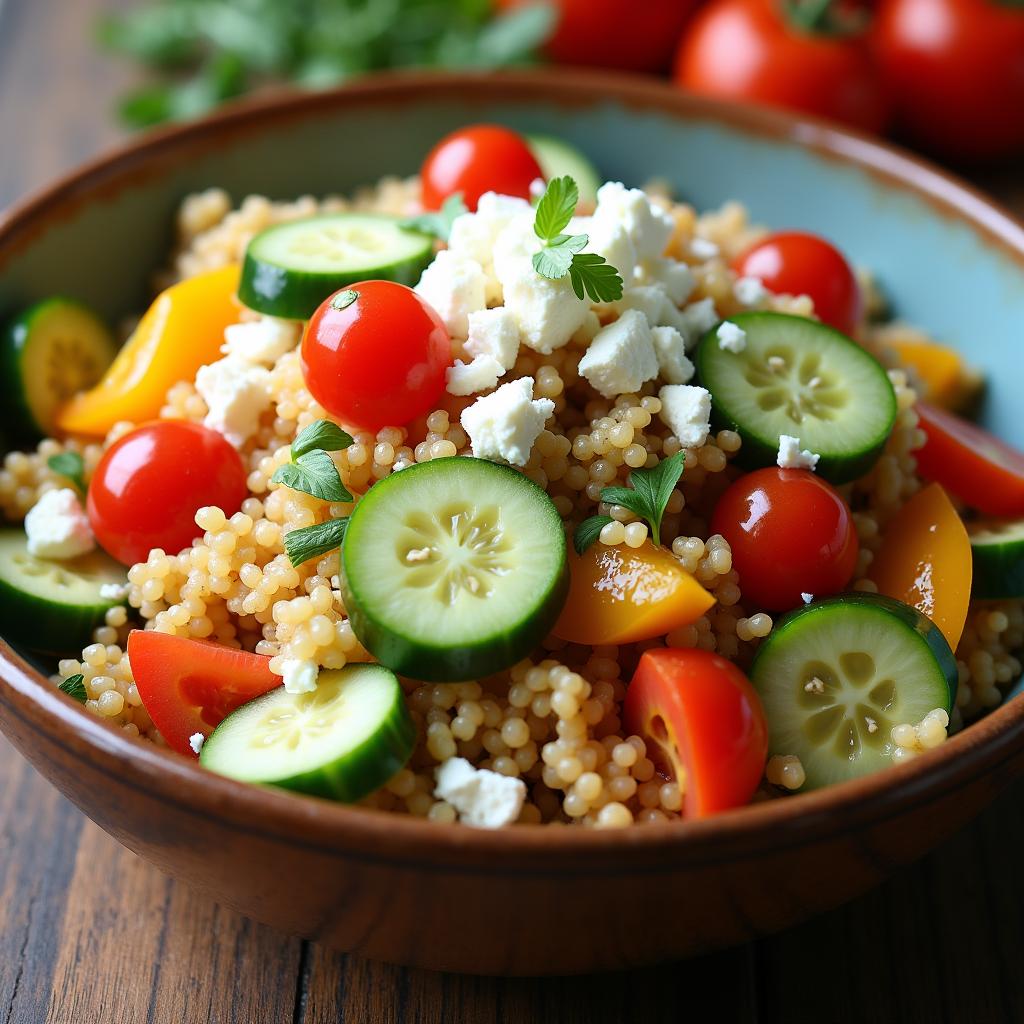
x=947 y=381
x=182 y=330
x=618 y=595
x=925 y=561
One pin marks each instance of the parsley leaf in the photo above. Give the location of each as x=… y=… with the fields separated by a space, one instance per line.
x=314 y=541
x=555 y=259
x=322 y=434
x=74 y=687
x=592 y=275
x=439 y=223
x=70 y=465
x=316 y=474
x=588 y=531
x=555 y=209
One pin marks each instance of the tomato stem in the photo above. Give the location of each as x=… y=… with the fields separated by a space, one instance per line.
x=827 y=17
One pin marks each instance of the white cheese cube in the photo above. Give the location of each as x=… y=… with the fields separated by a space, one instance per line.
x=504 y=425
x=57 y=526
x=674 y=276
x=237 y=393
x=610 y=239
x=621 y=357
x=651 y=300
x=750 y=291
x=696 y=320
x=261 y=341
x=299 y=675
x=687 y=412
x=731 y=337
x=548 y=312
x=481 y=374
x=455 y=286
x=473 y=235
x=495 y=333
x=196 y=741
x=791 y=457
x=670 y=348
x=648 y=226
x=483 y=798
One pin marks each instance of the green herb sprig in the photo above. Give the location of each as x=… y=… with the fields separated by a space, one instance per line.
x=71 y=466
x=439 y=223
x=314 y=541
x=590 y=274
x=647 y=495
x=312 y=470
x=74 y=687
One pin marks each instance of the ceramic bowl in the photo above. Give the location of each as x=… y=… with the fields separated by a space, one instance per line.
x=526 y=900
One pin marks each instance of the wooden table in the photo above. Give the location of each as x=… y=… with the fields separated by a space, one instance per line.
x=89 y=934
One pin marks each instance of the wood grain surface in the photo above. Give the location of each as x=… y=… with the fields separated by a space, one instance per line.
x=89 y=934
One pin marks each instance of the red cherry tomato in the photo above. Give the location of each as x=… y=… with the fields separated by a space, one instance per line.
x=790 y=533
x=189 y=686
x=150 y=483
x=378 y=361
x=971 y=463
x=481 y=158
x=703 y=722
x=642 y=39
x=955 y=71
x=797 y=263
x=752 y=50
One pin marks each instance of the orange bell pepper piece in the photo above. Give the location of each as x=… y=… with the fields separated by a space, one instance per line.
x=925 y=561
x=947 y=381
x=182 y=330
x=618 y=595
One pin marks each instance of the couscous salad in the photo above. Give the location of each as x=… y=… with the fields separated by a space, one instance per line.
x=504 y=495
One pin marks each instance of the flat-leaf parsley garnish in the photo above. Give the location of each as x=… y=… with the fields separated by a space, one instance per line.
x=438 y=223
x=590 y=274
x=312 y=470
x=314 y=541
x=69 y=465
x=647 y=496
x=74 y=687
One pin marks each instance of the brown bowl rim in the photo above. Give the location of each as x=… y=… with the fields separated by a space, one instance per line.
x=406 y=842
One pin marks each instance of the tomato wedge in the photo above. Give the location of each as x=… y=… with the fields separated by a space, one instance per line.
x=925 y=561
x=705 y=723
x=971 y=463
x=191 y=686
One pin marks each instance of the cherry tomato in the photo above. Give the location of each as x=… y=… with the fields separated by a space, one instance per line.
x=481 y=158
x=797 y=263
x=790 y=533
x=925 y=561
x=969 y=462
x=618 y=34
x=955 y=71
x=379 y=360
x=189 y=686
x=752 y=50
x=703 y=722
x=150 y=483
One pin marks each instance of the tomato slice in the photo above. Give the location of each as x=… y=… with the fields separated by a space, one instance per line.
x=971 y=463
x=925 y=561
x=705 y=723
x=191 y=686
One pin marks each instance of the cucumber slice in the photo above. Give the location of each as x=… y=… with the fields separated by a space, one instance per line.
x=557 y=157
x=877 y=661
x=998 y=552
x=53 y=606
x=51 y=351
x=454 y=569
x=798 y=377
x=342 y=741
x=290 y=269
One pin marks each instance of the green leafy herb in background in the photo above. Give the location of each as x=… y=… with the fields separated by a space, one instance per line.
x=438 y=224
x=647 y=495
x=203 y=52
x=69 y=465
x=589 y=273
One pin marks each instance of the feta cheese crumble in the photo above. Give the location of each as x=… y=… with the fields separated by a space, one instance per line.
x=57 y=526
x=455 y=286
x=299 y=675
x=115 y=591
x=648 y=226
x=481 y=374
x=494 y=332
x=696 y=320
x=237 y=393
x=504 y=425
x=474 y=235
x=731 y=337
x=806 y=598
x=670 y=348
x=791 y=457
x=484 y=799
x=548 y=312
x=673 y=276
x=687 y=412
x=750 y=291
x=261 y=341
x=621 y=357
x=196 y=741
x=703 y=248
